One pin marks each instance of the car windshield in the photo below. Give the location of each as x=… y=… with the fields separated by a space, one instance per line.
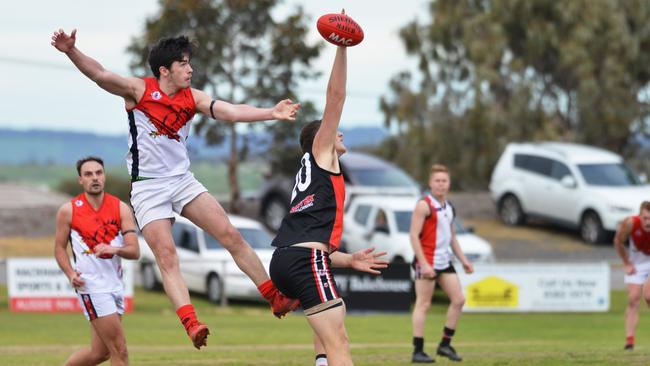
x=381 y=178
x=403 y=220
x=257 y=238
x=611 y=175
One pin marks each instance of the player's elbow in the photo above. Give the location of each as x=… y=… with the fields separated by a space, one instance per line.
x=335 y=95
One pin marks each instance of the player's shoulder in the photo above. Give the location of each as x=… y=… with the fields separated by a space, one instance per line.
x=65 y=210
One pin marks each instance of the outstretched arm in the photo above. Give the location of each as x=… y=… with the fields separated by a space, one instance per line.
x=131 y=89
x=323 y=146
x=363 y=261
x=227 y=112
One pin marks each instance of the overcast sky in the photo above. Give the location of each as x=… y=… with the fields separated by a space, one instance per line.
x=41 y=88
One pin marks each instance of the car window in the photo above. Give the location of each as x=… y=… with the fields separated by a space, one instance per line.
x=535 y=164
x=380 y=222
x=403 y=220
x=608 y=175
x=559 y=170
x=361 y=214
x=257 y=238
x=386 y=177
x=185 y=237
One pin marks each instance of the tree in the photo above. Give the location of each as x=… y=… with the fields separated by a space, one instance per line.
x=245 y=56
x=490 y=72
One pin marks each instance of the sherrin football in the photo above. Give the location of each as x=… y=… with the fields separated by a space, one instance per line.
x=339 y=29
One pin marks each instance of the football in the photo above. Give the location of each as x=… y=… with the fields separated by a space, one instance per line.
x=339 y=29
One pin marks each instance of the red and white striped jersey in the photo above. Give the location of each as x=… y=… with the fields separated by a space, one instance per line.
x=158 y=129
x=89 y=228
x=435 y=236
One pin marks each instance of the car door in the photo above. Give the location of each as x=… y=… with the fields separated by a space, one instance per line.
x=559 y=201
x=380 y=232
x=535 y=177
x=187 y=247
x=355 y=231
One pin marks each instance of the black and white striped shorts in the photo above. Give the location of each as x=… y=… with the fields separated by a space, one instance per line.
x=304 y=274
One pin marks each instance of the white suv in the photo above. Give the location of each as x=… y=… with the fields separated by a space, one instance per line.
x=363 y=229
x=570 y=184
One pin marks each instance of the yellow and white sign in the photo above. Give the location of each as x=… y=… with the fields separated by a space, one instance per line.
x=570 y=287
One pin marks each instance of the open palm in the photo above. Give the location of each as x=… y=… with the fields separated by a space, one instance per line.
x=63 y=42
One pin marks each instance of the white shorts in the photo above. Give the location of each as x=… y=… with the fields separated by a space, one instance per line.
x=641 y=275
x=158 y=198
x=101 y=304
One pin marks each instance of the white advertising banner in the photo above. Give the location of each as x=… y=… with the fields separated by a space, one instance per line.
x=539 y=287
x=38 y=284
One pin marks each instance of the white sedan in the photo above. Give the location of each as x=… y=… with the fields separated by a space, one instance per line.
x=365 y=226
x=205 y=265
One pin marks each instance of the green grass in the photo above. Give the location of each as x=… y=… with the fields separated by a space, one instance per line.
x=213 y=175
x=245 y=334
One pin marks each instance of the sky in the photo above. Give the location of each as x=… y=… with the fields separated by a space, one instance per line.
x=41 y=89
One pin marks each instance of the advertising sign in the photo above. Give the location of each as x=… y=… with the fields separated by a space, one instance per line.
x=571 y=287
x=39 y=285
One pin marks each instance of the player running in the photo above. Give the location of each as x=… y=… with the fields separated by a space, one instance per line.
x=636 y=261
x=101 y=231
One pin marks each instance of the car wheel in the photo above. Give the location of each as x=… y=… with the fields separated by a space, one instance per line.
x=274 y=211
x=215 y=290
x=511 y=212
x=591 y=228
x=148 y=277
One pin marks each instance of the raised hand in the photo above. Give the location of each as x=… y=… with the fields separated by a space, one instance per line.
x=285 y=110
x=63 y=42
x=367 y=261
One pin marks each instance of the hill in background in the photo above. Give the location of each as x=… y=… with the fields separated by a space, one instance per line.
x=47 y=147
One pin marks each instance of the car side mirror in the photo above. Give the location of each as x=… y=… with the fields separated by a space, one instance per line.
x=568 y=181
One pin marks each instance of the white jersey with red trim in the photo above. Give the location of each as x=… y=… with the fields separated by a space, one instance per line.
x=158 y=129
x=89 y=228
x=435 y=236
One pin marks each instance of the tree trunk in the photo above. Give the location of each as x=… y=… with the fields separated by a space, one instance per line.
x=232 y=171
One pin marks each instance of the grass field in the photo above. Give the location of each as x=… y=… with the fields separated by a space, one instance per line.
x=247 y=334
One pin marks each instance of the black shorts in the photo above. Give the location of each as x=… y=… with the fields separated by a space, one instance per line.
x=418 y=276
x=304 y=274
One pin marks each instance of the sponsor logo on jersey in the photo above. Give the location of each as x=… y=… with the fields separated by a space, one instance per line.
x=79 y=203
x=306 y=203
x=155 y=95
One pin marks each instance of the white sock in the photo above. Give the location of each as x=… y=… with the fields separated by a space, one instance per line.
x=321 y=361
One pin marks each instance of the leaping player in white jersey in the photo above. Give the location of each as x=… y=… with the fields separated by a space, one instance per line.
x=101 y=231
x=636 y=261
x=159 y=112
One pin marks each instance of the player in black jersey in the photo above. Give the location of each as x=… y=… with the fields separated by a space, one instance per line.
x=309 y=236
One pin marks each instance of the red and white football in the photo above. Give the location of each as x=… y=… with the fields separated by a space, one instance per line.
x=339 y=29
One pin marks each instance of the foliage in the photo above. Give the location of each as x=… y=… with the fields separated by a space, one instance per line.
x=116 y=184
x=245 y=56
x=491 y=72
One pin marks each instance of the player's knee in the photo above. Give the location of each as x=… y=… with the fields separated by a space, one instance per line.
x=458 y=302
x=119 y=351
x=231 y=238
x=167 y=259
x=99 y=357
